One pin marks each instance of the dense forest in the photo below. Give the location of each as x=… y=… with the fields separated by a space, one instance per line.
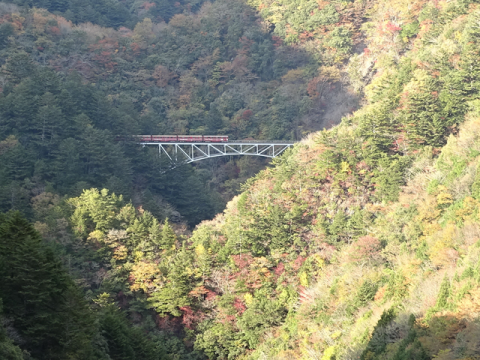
x=361 y=242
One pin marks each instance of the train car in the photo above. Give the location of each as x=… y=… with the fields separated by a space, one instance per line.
x=164 y=138
x=190 y=138
x=175 y=138
x=215 y=138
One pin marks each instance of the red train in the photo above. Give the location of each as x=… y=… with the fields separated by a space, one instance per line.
x=181 y=138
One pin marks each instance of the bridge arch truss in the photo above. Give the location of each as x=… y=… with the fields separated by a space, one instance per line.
x=186 y=152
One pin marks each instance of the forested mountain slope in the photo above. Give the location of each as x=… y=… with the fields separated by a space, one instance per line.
x=67 y=87
x=331 y=252
x=362 y=242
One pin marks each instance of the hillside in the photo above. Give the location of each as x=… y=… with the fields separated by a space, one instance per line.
x=213 y=69
x=361 y=242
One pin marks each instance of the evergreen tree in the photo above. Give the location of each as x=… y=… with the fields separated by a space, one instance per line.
x=6 y=30
x=214 y=120
x=8 y=351
x=156 y=235
x=443 y=294
x=47 y=311
x=168 y=236
x=18 y=67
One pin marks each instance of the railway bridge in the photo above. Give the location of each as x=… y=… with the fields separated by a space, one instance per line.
x=192 y=148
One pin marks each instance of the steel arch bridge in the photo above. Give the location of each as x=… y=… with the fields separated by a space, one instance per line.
x=188 y=152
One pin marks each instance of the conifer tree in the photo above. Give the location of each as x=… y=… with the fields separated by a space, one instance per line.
x=47 y=311
x=6 y=30
x=155 y=235
x=443 y=294
x=168 y=236
x=8 y=351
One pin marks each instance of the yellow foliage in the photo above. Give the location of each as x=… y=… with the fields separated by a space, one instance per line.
x=468 y=140
x=469 y=306
x=336 y=334
x=248 y=298
x=329 y=353
x=146 y=276
x=189 y=271
x=428 y=211
x=259 y=263
x=103 y=300
x=143 y=32
x=345 y=167
x=200 y=250
x=332 y=73
x=470 y=205
x=442 y=251
x=96 y=235
x=444 y=197
x=420 y=78
x=431 y=228
x=303 y=279
x=293 y=76
x=138 y=255
x=18 y=21
x=120 y=252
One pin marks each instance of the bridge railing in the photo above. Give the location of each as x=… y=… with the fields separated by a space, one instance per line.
x=257 y=142
x=263 y=142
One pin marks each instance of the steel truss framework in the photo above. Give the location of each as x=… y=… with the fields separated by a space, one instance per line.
x=190 y=152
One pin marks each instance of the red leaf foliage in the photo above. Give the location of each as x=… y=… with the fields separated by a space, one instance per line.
x=239 y=306
x=188 y=317
x=277 y=41
x=167 y=323
x=298 y=262
x=366 y=248
x=242 y=261
x=392 y=27
x=279 y=269
x=247 y=114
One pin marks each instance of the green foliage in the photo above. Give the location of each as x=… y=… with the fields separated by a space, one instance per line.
x=443 y=294
x=8 y=350
x=94 y=210
x=379 y=338
x=219 y=340
x=124 y=341
x=410 y=30
x=33 y=280
x=476 y=186
x=260 y=315
x=366 y=292
x=174 y=294
x=69 y=146
x=340 y=39
x=104 y=12
x=396 y=286
x=6 y=30
x=410 y=347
